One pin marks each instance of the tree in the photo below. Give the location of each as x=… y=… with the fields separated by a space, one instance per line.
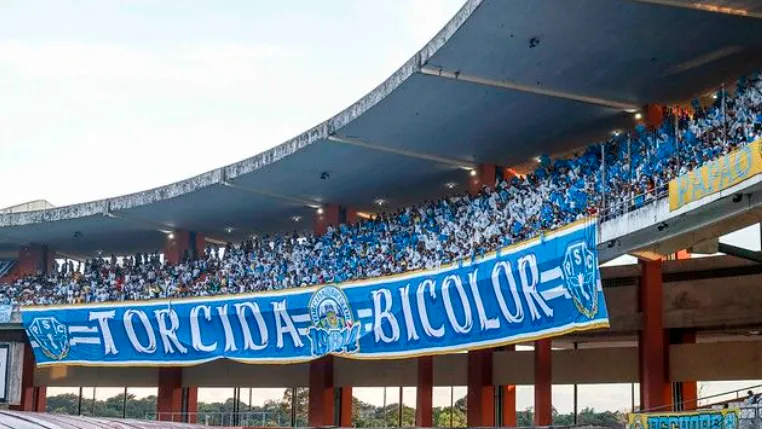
x=588 y=416
x=449 y=417
x=63 y=404
x=278 y=413
x=302 y=405
x=364 y=414
x=525 y=418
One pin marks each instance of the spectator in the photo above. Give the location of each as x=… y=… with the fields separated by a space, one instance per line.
x=635 y=172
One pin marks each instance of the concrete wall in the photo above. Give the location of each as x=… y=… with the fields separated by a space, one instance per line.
x=67 y=376
x=224 y=373
x=716 y=361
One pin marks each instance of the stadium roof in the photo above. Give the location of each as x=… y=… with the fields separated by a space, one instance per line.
x=503 y=81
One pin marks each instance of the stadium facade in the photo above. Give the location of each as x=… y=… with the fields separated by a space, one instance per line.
x=501 y=83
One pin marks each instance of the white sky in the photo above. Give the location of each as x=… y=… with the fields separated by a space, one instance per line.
x=102 y=98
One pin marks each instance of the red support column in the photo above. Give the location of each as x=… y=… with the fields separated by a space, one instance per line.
x=508 y=174
x=33 y=398
x=200 y=243
x=485 y=175
x=682 y=255
x=543 y=384
x=333 y=215
x=684 y=393
x=176 y=246
x=32 y=260
x=654 y=387
x=321 y=403
x=182 y=241
x=480 y=398
x=351 y=216
x=169 y=402
x=689 y=388
x=654 y=115
x=345 y=407
x=191 y=404
x=424 y=402
x=508 y=406
x=327 y=216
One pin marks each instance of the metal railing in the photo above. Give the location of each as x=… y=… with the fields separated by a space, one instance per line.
x=224 y=419
x=242 y=420
x=618 y=208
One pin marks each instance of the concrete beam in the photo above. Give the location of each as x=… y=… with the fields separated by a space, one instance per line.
x=530 y=89
x=353 y=141
x=160 y=227
x=276 y=196
x=739 y=252
x=713 y=362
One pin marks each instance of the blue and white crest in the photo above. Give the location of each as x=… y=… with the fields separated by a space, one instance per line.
x=333 y=329
x=52 y=337
x=580 y=275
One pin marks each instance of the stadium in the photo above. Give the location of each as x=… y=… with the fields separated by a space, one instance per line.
x=451 y=228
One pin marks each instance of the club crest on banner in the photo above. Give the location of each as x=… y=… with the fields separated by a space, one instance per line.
x=52 y=337
x=580 y=277
x=333 y=329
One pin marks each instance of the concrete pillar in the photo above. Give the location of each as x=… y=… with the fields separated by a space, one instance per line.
x=508 y=406
x=424 y=416
x=508 y=174
x=485 y=175
x=33 y=398
x=682 y=255
x=543 y=384
x=321 y=401
x=169 y=398
x=333 y=215
x=344 y=406
x=654 y=115
x=175 y=403
x=328 y=217
x=508 y=400
x=33 y=259
x=684 y=393
x=654 y=387
x=350 y=216
x=190 y=404
x=183 y=241
x=480 y=398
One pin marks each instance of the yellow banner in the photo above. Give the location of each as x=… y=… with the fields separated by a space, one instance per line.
x=716 y=175
x=704 y=419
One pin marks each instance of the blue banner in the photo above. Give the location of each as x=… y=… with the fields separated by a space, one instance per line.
x=543 y=287
x=701 y=419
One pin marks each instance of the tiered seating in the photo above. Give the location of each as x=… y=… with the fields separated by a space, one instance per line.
x=638 y=166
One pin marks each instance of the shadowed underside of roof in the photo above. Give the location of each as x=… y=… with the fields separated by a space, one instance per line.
x=503 y=81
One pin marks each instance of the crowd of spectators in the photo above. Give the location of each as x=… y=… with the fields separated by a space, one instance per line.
x=623 y=173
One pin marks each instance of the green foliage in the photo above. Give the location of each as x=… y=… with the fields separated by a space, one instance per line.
x=366 y=415
x=277 y=413
x=112 y=407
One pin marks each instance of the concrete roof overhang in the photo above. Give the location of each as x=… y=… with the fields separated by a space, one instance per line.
x=503 y=81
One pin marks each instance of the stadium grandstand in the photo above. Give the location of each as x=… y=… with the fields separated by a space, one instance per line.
x=634 y=124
